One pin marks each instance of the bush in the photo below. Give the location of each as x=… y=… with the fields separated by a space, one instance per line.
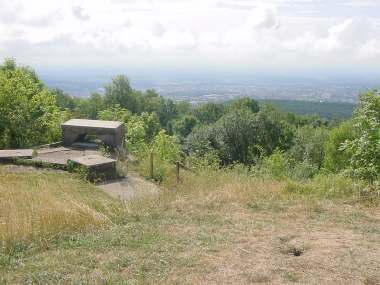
x=28 y=112
x=166 y=147
x=303 y=170
x=365 y=158
x=242 y=136
x=276 y=165
x=209 y=160
x=327 y=186
x=336 y=158
x=309 y=145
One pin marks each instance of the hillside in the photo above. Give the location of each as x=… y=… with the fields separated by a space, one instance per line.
x=222 y=227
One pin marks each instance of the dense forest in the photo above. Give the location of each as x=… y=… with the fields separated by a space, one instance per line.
x=326 y=110
x=258 y=137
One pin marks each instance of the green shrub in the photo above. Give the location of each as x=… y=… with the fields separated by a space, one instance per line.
x=327 y=186
x=28 y=112
x=308 y=145
x=336 y=158
x=166 y=147
x=365 y=158
x=303 y=170
x=276 y=165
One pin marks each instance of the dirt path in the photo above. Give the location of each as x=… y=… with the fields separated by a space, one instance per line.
x=130 y=187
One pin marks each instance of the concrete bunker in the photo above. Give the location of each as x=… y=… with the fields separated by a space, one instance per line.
x=111 y=133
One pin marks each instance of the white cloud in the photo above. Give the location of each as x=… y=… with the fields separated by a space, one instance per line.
x=198 y=33
x=80 y=13
x=263 y=17
x=363 y=3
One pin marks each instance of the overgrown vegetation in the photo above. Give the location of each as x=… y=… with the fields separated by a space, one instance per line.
x=252 y=163
x=226 y=226
x=38 y=207
x=211 y=134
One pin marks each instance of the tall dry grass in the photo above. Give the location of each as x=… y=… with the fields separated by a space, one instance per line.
x=36 y=207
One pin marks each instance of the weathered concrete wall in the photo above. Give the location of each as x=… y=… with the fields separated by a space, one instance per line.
x=110 y=133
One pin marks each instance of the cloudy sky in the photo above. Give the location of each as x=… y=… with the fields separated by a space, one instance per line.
x=241 y=35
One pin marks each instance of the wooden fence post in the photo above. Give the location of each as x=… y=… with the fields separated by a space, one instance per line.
x=151 y=164
x=177 y=171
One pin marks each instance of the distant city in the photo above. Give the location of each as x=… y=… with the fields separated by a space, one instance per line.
x=196 y=91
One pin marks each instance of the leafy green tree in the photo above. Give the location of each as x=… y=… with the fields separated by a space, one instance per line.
x=64 y=101
x=203 y=140
x=151 y=125
x=28 y=111
x=336 y=158
x=209 y=113
x=242 y=136
x=119 y=92
x=309 y=145
x=141 y=131
x=236 y=135
x=166 y=147
x=89 y=108
x=184 y=107
x=136 y=138
x=247 y=103
x=184 y=125
x=273 y=133
x=365 y=148
x=167 y=111
x=115 y=113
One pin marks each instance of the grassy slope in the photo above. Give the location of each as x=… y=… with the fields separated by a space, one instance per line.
x=217 y=228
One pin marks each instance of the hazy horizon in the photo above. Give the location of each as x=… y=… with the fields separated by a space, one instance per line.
x=319 y=38
x=164 y=42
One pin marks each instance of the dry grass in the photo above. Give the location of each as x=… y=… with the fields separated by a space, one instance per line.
x=219 y=228
x=35 y=207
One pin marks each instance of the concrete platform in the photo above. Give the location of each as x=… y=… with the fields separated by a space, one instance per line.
x=94 y=161
x=99 y=168
x=92 y=124
x=111 y=133
x=15 y=153
x=60 y=155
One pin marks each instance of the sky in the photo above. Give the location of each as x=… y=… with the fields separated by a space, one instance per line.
x=283 y=36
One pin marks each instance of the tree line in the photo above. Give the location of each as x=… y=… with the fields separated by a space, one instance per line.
x=213 y=134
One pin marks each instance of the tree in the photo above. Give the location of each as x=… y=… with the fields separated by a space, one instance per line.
x=64 y=101
x=209 y=113
x=365 y=148
x=89 y=108
x=273 y=133
x=336 y=158
x=309 y=145
x=119 y=92
x=115 y=113
x=184 y=125
x=236 y=135
x=166 y=147
x=167 y=111
x=248 y=103
x=151 y=125
x=28 y=112
x=242 y=136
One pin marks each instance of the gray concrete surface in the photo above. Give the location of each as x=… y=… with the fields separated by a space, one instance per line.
x=61 y=155
x=94 y=160
x=15 y=153
x=111 y=133
x=130 y=187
